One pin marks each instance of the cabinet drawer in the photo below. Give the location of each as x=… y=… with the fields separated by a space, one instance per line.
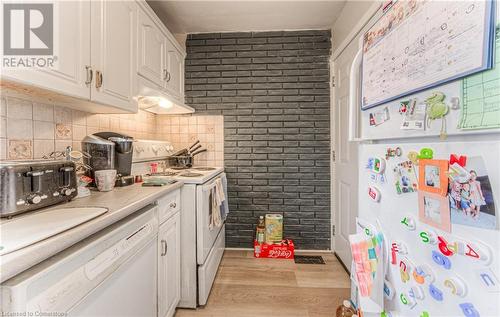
x=168 y=205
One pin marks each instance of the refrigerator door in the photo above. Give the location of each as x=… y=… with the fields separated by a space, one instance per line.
x=430 y=269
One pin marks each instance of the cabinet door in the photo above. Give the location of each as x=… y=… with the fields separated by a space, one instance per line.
x=151 y=55
x=72 y=54
x=113 y=53
x=175 y=69
x=169 y=266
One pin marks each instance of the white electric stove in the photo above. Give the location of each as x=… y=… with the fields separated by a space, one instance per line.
x=194 y=175
x=202 y=245
x=201 y=249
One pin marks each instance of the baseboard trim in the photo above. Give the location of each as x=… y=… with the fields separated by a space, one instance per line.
x=313 y=251
x=342 y=263
x=239 y=249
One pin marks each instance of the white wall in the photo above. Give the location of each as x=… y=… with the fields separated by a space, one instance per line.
x=350 y=17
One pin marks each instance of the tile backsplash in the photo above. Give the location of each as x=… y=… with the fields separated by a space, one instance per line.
x=29 y=129
x=183 y=131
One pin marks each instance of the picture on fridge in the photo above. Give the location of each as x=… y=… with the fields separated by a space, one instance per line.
x=471 y=198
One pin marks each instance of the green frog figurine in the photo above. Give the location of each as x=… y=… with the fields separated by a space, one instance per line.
x=437 y=109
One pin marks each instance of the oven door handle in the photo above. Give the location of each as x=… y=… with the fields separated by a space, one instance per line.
x=208 y=187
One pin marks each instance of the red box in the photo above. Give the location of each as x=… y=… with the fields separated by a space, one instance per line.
x=283 y=250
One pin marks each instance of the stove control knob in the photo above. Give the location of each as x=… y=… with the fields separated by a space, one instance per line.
x=34 y=199
x=65 y=191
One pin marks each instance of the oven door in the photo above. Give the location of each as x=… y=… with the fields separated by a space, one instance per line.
x=205 y=235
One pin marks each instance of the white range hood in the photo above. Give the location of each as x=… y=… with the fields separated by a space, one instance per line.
x=156 y=101
x=162 y=105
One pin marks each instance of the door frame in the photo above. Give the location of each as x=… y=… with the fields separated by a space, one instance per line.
x=368 y=17
x=333 y=179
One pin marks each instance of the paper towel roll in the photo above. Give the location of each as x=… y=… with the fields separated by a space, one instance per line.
x=274 y=228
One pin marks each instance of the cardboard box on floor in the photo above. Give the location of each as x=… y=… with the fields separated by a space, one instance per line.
x=283 y=250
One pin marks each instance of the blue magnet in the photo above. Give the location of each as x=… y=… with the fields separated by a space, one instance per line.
x=436 y=293
x=441 y=260
x=469 y=310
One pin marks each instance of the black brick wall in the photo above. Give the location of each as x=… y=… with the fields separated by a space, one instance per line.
x=273 y=90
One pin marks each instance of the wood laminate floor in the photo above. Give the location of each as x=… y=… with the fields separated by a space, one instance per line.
x=249 y=287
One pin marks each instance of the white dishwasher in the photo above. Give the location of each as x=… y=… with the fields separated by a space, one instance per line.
x=112 y=273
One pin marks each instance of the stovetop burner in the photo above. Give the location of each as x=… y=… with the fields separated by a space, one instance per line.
x=164 y=174
x=189 y=174
x=179 y=168
x=204 y=168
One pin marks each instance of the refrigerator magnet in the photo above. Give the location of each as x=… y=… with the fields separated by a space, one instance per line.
x=399 y=247
x=429 y=236
x=423 y=273
x=378 y=117
x=436 y=293
x=407 y=300
x=393 y=152
x=405 y=178
x=409 y=223
x=426 y=153
x=456 y=286
x=413 y=157
x=469 y=310
x=388 y=290
x=374 y=193
x=441 y=260
x=434 y=210
x=459 y=159
x=478 y=251
x=417 y=292
x=488 y=280
x=433 y=176
x=406 y=268
x=376 y=165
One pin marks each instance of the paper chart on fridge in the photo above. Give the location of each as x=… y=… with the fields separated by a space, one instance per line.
x=417 y=45
x=481 y=96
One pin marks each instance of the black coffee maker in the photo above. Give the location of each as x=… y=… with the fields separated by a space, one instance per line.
x=114 y=148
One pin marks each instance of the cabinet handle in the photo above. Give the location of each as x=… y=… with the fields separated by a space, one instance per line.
x=98 y=79
x=165 y=72
x=164 y=247
x=168 y=76
x=90 y=74
x=173 y=205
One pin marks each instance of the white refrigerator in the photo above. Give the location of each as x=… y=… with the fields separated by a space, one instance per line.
x=434 y=195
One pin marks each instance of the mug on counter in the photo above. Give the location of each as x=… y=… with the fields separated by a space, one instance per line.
x=105 y=180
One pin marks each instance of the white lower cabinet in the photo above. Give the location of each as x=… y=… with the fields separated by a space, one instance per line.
x=169 y=265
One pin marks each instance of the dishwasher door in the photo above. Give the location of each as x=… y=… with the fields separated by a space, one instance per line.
x=112 y=273
x=129 y=291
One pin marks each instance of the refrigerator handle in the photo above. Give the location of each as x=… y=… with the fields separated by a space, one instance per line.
x=353 y=105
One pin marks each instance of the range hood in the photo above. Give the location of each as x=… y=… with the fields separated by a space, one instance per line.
x=162 y=105
x=157 y=101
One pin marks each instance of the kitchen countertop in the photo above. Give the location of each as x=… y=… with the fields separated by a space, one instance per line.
x=121 y=202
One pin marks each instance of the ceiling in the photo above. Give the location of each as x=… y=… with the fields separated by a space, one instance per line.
x=257 y=15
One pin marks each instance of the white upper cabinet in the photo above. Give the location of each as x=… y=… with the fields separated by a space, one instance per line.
x=175 y=72
x=108 y=54
x=151 y=52
x=160 y=63
x=69 y=76
x=113 y=53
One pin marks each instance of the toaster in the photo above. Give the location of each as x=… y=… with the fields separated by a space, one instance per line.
x=33 y=184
